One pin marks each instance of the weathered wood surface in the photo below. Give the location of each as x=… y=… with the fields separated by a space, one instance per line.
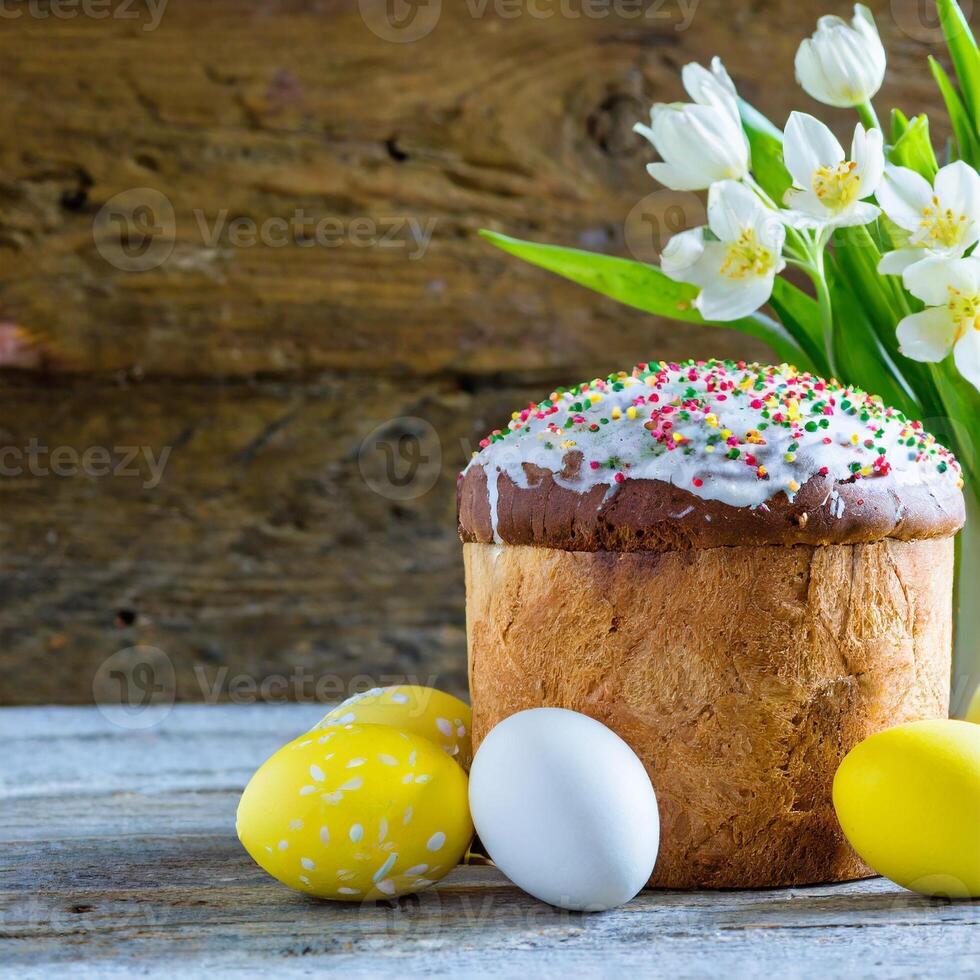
x=261 y=547
x=261 y=553
x=120 y=858
x=264 y=108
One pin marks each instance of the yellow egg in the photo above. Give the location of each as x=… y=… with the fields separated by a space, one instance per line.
x=908 y=800
x=973 y=712
x=433 y=714
x=358 y=812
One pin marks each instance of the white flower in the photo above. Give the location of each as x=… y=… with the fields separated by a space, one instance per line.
x=828 y=189
x=736 y=267
x=842 y=64
x=700 y=143
x=951 y=290
x=943 y=220
x=714 y=87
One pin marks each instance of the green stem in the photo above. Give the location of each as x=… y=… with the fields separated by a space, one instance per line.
x=868 y=115
x=816 y=270
x=819 y=276
x=797 y=246
x=766 y=199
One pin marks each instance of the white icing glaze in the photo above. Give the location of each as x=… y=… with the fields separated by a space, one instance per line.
x=493 y=496
x=669 y=423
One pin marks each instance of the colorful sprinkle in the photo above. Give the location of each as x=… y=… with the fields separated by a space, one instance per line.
x=729 y=430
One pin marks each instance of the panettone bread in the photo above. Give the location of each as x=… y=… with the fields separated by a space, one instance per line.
x=742 y=570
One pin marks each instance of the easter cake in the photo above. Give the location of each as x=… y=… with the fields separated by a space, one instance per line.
x=743 y=570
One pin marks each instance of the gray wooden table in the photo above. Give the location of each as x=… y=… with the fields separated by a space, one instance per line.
x=119 y=856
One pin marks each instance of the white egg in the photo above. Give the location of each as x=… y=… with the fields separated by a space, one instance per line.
x=565 y=809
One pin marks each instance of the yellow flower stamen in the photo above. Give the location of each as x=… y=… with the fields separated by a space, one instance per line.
x=746 y=257
x=837 y=187
x=941 y=227
x=964 y=310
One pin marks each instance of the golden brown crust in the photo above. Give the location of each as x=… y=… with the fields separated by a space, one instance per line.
x=741 y=677
x=649 y=515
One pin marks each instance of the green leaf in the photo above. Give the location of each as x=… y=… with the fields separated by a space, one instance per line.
x=766 y=145
x=900 y=123
x=856 y=257
x=644 y=287
x=801 y=313
x=966 y=139
x=860 y=355
x=964 y=55
x=913 y=149
x=961 y=403
x=855 y=263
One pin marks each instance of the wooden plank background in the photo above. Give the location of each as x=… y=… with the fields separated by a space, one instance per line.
x=260 y=372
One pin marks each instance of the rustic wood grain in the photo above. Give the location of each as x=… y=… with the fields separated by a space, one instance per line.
x=262 y=548
x=262 y=552
x=120 y=858
x=263 y=108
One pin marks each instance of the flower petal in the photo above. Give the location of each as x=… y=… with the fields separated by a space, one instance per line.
x=711 y=88
x=728 y=299
x=842 y=64
x=702 y=144
x=682 y=253
x=903 y=194
x=645 y=131
x=769 y=229
x=809 y=145
x=966 y=355
x=895 y=263
x=867 y=152
x=933 y=277
x=675 y=179
x=732 y=207
x=803 y=217
x=809 y=73
x=958 y=188
x=859 y=213
x=927 y=336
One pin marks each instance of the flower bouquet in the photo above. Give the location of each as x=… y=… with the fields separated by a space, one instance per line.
x=857 y=263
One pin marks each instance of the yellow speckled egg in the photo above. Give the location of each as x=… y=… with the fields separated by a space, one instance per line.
x=908 y=800
x=357 y=812
x=433 y=714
